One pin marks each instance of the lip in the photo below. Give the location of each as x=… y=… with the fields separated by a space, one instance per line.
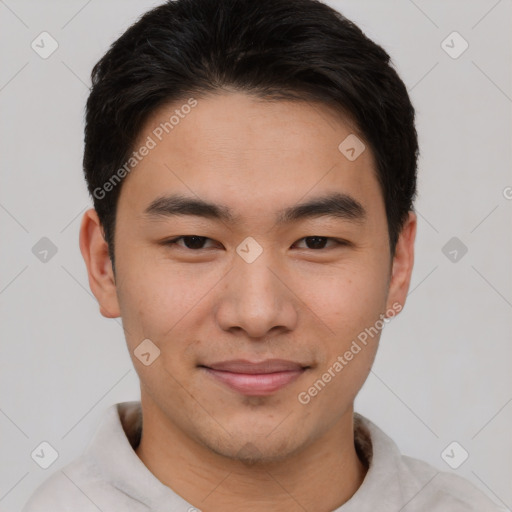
x=255 y=378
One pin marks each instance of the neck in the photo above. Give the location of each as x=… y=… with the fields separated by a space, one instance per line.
x=321 y=477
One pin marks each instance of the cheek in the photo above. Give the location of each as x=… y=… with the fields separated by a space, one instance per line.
x=155 y=308
x=154 y=297
x=352 y=301
x=352 y=310
x=351 y=307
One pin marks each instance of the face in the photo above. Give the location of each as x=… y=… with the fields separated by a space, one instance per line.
x=256 y=302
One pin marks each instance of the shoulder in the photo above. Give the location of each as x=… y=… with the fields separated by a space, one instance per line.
x=67 y=488
x=438 y=490
x=410 y=483
x=99 y=477
x=79 y=486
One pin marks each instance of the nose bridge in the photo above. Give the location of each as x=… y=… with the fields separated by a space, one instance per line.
x=256 y=286
x=255 y=299
x=256 y=281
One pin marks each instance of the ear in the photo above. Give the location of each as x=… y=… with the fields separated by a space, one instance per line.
x=402 y=264
x=94 y=249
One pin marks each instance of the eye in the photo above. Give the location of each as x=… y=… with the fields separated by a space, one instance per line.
x=193 y=242
x=318 y=242
x=196 y=243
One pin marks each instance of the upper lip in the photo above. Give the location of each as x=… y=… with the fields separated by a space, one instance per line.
x=261 y=367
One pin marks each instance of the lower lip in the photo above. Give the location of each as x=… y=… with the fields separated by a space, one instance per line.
x=260 y=384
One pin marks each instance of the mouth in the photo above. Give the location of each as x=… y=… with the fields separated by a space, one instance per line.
x=255 y=378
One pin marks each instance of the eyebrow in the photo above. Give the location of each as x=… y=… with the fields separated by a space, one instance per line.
x=336 y=205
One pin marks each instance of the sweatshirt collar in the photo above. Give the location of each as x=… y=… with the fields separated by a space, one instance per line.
x=112 y=452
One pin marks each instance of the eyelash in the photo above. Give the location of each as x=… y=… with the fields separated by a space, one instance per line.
x=339 y=242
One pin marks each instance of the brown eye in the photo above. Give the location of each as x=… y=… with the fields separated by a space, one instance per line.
x=319 y=242
x=192 y=242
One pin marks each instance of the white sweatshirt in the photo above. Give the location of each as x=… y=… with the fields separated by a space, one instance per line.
x=110 y=477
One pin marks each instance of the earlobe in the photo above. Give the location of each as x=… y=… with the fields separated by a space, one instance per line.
x=403 y=263
x=95 y=252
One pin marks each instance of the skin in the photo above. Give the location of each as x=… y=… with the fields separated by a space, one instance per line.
x=216 y=447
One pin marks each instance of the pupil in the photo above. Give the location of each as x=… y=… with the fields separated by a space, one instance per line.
x=197 y=242
x=316 y=244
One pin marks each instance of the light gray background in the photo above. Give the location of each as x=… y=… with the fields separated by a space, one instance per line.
x=443 y=371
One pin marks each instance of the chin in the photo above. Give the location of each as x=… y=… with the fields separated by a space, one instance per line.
x=255 y=448
x=257 y=453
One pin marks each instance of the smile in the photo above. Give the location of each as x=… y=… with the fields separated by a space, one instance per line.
x=255 y=379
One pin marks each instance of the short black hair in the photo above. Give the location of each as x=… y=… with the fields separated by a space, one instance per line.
x=273 y=49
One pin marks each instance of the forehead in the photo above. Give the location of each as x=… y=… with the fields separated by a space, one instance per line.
x=254 y=153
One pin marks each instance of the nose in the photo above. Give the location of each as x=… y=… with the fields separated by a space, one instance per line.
x=256 y=300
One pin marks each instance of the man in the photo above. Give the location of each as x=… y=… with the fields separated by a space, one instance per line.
x=253 y=171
